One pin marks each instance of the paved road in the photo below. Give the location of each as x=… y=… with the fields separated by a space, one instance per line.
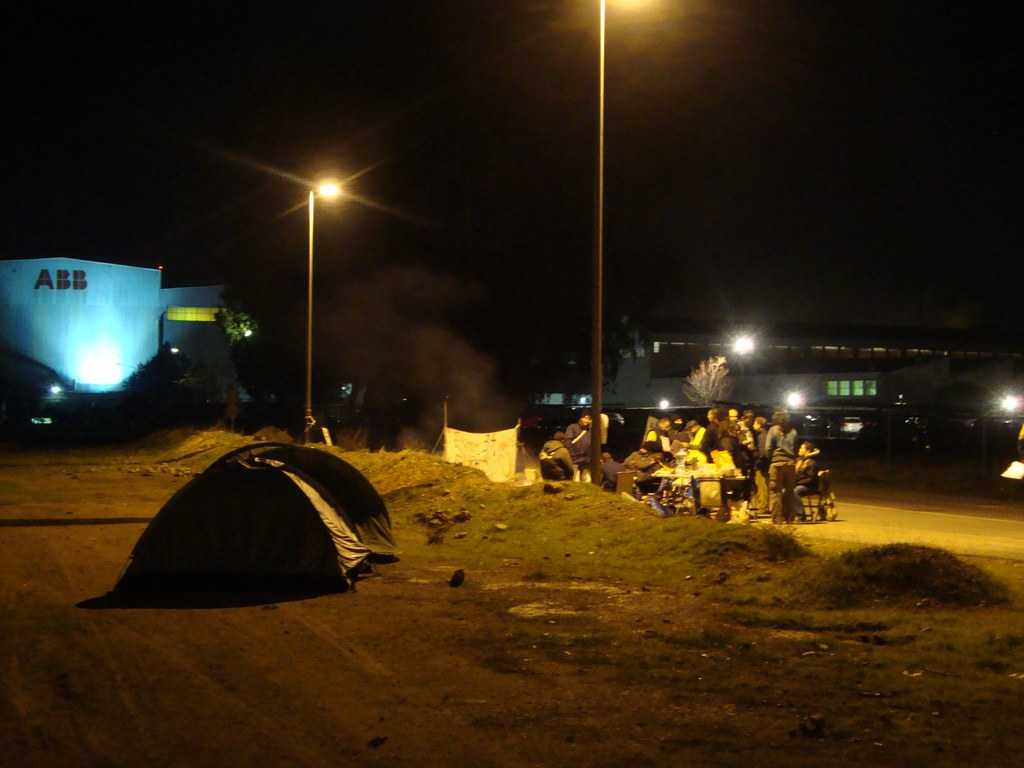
x=963 y=525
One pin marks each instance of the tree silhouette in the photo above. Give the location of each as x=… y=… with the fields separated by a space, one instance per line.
x=709 y=382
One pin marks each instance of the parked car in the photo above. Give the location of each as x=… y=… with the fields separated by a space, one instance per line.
x=851 y=426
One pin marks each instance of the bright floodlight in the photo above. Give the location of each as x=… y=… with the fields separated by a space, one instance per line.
x=247 y=333
x=329 y=190
x=55 y=389
x=1012 y=403
x=794 y=399
x=663 y=404
x=744 y=345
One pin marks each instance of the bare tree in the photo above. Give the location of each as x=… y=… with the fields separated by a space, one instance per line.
x=708 y=382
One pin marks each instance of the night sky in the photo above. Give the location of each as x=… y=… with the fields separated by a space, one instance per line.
x=765 y=160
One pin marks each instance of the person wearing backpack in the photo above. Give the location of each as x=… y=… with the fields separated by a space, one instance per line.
x=555 y=461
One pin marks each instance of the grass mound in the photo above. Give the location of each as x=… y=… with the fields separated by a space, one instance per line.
x=901 y=572
x=776 y=544
x=272 y=435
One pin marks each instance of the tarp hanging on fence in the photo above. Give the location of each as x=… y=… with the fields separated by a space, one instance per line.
x=493 y=453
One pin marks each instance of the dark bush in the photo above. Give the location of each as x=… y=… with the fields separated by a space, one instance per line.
x=904 y=572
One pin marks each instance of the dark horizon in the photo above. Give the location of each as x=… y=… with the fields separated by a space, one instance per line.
x=854 y=162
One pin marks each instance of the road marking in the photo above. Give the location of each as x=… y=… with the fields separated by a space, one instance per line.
x=925 y=512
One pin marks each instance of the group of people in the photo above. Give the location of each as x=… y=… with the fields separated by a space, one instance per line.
x=778 y=468
x=566 y=456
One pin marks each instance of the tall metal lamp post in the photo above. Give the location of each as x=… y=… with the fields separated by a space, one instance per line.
x=596 y=371
x=327 y=190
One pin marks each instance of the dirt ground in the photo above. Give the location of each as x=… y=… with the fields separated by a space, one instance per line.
x=406 y=670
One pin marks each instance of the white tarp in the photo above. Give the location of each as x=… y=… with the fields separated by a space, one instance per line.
x=493 y=453
x=1015 y=471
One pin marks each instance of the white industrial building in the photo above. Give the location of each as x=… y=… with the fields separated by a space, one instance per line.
x=86 y=326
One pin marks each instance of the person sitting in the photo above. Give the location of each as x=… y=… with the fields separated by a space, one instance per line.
x=667 y=440
x=642 y=459
x=555 y=461
x=646 y=461
x=807 y=469
x=610 y=470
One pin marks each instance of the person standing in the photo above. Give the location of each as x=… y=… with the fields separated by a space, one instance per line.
x=577 y=441
x=780 y=452
x=760 y=432
x=709 y=441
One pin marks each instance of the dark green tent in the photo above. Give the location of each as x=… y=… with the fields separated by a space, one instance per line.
x=265 y=513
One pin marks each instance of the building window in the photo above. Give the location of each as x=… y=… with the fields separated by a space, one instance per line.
x=895 y=353
x=913 y=352
x=879 y=351
x=831 y=351
x=656 y=347
x=193 y=314
x=864 y=352
x=817 y=351
x=847 y=388
x=846 y=352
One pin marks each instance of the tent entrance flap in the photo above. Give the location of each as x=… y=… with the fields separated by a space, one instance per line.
x=351 y=551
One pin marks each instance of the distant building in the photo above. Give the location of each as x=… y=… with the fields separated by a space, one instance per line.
x=86 y=326
x=826 y=365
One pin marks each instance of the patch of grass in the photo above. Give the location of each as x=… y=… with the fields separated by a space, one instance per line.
x=903 y=572
x=777 y=544
x=272 y=435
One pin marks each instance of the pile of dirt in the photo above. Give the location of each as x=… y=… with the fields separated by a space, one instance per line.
x=902 y=573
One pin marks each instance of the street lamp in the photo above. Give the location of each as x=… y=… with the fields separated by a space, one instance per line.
x=327 y=190
x=744 y=345
x=596 y=374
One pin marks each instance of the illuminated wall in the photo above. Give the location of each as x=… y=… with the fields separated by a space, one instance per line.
x=92 y=323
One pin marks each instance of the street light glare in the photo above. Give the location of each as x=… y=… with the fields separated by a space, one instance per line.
x=794 y=400
x=329 y=190
x=744 y=345
x=1012 y=403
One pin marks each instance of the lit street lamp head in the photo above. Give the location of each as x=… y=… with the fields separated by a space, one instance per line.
x=329 y=190
x=744 y=345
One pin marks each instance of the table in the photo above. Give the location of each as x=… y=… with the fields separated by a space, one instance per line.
x=696 y=489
